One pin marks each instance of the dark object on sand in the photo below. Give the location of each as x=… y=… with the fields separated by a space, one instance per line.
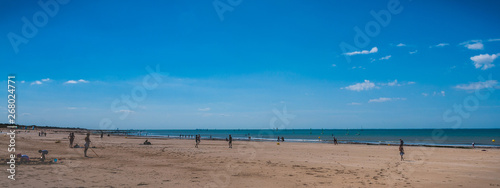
x=76 y=146
x=147 y=143
x=483 y=150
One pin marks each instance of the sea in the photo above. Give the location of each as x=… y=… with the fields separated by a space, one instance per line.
x=421 y=137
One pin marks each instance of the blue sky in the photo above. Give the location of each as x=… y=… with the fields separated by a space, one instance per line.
x=253 y=64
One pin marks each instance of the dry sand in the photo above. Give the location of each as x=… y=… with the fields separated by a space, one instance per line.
x=123 y=162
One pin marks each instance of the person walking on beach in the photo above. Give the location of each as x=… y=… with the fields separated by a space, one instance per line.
x=401 y=152
x=230 y=141
x=282 y=139
x=196 y=146
x=87 y=144
x=278 y=139
x=335 y=141
x=401 y=142
x=71 y=139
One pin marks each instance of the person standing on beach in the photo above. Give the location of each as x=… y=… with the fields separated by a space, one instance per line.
x=401 y=152
x=87 y=144
x=230 y=141
x=196 y=139
x=335 y=141
x=401 y=142
x=71 y=139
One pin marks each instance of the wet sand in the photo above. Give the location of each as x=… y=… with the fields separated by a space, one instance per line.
x=123 y=162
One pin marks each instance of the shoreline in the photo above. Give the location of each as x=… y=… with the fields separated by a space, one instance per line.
x=122 y=161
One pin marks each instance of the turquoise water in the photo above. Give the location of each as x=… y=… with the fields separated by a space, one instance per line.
x=438 y=137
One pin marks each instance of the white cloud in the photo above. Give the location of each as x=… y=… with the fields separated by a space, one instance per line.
x=384 y=99
x=22 y=82
x=478 y=85
x=353 y=103
x=440 y=45
x=76 y=81
x=385 y=58
x=493 y=40
x=401 y=45
x=484 y=60
x=473 y=44
x=413 y=52
x=425 y=94
x=442 y=93
x=36 y=83
x=396 y=83
x=126 y=111
x=334 y=65
x=83 y=81
x=393 y=83
x=373 y=50
x=358 y=67
x=367 y=85
x=204 y=109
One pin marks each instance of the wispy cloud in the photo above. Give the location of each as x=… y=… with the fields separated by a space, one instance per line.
x=385 y=58
x=75 y=108
x=366 y=85
x=334 y=65
x=204 y=109
x=440 y=45
x=385 y=99
x=36 y=83
x=396 y=83
x=413 y=52
x=478 y=85
x=473 y=44
x=441 y=93
x=425 y=94
x=373 y=50
x=76 y=81
x=484 y=61
x=493 y=40
x=358 y=67
x=353 y=103
x=39 y=82
x=401 y=45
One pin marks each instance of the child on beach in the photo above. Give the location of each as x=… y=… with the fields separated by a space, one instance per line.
x=43 y=152
x=23 y=158
x=87 y=144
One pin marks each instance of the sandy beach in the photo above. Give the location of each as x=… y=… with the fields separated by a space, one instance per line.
x=124 y=162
